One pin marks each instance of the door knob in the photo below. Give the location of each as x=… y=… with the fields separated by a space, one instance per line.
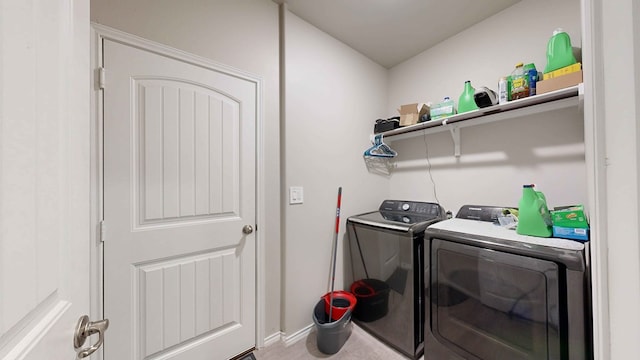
x=86 y=328
x=247 y=229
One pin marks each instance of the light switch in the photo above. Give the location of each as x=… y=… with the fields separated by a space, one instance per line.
x=296 y=195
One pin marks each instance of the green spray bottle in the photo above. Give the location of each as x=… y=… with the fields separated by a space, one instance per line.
x=534 y=218
x=467 y=101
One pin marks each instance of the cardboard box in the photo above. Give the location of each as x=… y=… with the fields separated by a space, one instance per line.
x=559 y=82
x=410 y=114
x=563 y=71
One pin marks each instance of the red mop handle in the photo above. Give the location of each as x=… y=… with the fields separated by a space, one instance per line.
x=335 y=250
x=338 y=210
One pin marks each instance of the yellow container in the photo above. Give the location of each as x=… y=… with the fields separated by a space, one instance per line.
x=563 y=71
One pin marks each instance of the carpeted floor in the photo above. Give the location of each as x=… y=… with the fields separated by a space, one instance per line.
x=360 y=345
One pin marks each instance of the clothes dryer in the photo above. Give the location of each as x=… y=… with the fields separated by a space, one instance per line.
x=495 y=294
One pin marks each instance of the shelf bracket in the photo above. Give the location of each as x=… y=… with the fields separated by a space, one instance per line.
x=455 y=135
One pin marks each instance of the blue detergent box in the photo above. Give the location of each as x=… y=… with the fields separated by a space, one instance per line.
x=572 y=233
x=570 y=222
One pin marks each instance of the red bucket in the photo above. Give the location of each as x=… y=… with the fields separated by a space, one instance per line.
x=342 y=301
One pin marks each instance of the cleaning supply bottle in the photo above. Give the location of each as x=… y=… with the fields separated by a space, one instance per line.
x=531 y=73
x=503 y=89
x=467 y=102
x=519 y=83
x=534 y=218
x=443 y=109
x=559 y=51
x=448 y=107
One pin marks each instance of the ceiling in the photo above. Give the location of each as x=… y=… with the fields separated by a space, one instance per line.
x=392 y=31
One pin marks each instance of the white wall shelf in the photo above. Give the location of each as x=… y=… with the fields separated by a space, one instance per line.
x=538 y=104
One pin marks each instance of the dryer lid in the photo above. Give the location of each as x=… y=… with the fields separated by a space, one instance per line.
x=498 y=233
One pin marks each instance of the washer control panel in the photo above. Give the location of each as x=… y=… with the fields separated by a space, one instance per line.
x=411 y=207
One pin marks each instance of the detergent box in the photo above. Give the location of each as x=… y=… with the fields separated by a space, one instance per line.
x=570 y=222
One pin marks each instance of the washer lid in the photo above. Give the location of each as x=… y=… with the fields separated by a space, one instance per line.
x=395 y=221
x=401 y=215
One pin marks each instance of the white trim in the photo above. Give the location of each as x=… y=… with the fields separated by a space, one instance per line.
x=595 y=158
x=105 y=32
x=272 y=339
x=45 y=322
x=297 y=336
x=100 y=33
x=97 y=254
x=261 y=219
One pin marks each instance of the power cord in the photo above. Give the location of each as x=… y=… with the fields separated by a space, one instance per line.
x=426 y=150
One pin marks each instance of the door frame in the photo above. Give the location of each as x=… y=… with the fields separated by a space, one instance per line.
x=593 y=105
x=100 y=33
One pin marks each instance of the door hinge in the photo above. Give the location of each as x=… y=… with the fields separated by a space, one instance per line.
x=103 y=230
x=101 y=77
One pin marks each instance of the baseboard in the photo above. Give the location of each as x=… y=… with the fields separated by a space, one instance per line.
x=298 y=335
x=273 y=338
x=287 y=340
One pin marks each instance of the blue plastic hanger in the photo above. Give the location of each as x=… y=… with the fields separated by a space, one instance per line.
x=380 y=149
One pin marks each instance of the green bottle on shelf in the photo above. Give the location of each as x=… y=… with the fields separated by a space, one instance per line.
x=559 y=51
x=467 y=102
x=534 y=218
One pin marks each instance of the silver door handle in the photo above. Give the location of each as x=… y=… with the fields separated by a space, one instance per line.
x=86 y=328
x=247 y=229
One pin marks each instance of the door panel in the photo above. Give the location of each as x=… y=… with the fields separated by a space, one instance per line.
x=188 y=163
x=179 y=185
x=208 y=285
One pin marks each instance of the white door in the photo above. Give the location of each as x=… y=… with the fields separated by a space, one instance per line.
x=179 y=188
x=44 y=176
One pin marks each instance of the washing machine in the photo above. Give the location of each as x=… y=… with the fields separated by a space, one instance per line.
x=387 y=268
x=495 y=294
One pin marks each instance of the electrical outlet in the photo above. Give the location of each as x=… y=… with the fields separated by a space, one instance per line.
x=296 y=195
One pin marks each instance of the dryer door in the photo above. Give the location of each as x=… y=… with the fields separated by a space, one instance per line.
x=494 y=305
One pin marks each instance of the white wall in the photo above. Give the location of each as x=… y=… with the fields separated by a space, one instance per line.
x=242 y=34
x=333 y=95
x=497 y=158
